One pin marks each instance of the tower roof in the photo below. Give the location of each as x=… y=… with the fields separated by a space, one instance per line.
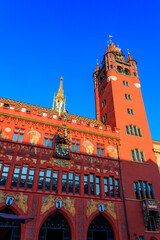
x=129 y=58
x=97 y=68
x=113 y=48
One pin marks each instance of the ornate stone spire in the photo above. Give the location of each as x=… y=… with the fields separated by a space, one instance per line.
x=59 y=102
x=97 y=67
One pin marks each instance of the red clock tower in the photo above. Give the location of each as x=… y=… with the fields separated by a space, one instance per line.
x=119 y=103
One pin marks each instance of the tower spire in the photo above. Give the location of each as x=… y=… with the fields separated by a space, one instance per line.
x=59 y=101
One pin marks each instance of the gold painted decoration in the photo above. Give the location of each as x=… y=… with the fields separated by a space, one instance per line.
x=20 y=199
x=91 y=207
x=2 y=196
x=47 y=203
x=50 y=201
x=60 y=163
x=68 y=204
x=21 y=202
x=88 y=146
x=109 y=207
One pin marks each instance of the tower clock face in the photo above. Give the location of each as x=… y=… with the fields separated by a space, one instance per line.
x=62 y=150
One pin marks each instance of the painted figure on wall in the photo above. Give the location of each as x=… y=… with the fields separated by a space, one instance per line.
x=34 y=136
x=2 y=134
x=88 y=146
x=112 y=152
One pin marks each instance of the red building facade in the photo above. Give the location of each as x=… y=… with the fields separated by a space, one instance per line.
x=63 y=176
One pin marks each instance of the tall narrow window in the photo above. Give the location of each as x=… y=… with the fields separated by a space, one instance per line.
x=23 y=177
x=151 y=190
x=98 y=186
x=41 y=180
x=111 y=186
x=48 y=180
x=70 y=182
x=145 y=189
x=139 y=132
x=4 y=176
x=30 y=178
x=127 y=130
x=130 y=129
x=136 y=190
x=117 y=188
x=92 y=184
x=76 y=184
x=137 y=155
x=140 y=189
x=55 y=181
x=15 y=177
x=135 y=130
x=0 y=166
x=142 y=156
x=133 y=155
x=86 y=184
x=106 y=187
x=64 y=182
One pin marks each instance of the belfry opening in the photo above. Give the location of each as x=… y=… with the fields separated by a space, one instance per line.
x=55 y=225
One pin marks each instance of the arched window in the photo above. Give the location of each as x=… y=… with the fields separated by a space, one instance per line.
x=119 y=69
x=126 y=71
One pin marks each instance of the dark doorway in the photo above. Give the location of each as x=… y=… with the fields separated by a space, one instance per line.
x=100 y=229
x=58 y=234
x=97 y=235
x=9 y=230
x=55 y=227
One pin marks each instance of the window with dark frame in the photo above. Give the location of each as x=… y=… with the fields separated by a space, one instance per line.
x=4 y=175
x=92 y=184
x=98 y=186
x=106 y=192
x=86 y=184
x=55 y=181
x=111 y=186
x=143 y=189
x=15 y=176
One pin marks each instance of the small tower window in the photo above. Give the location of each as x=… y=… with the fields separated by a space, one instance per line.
x=134 y=74
x=111 y=66
x=126 y=71
x=119 y=69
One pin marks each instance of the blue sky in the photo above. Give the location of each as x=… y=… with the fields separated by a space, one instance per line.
x=43 y=40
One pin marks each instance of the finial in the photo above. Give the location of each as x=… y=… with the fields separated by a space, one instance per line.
x=128 y=51
x=97 y=61
x=110 y=38
x=108 y=43
x=61 y=78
